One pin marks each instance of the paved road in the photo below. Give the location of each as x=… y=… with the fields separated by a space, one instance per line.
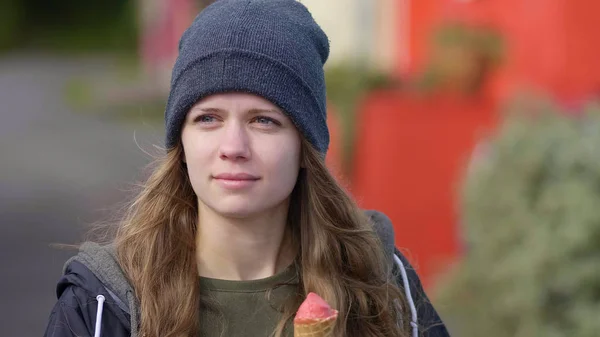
x=60 y=170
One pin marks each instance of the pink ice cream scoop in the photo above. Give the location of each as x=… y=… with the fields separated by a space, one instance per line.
x=315 y=318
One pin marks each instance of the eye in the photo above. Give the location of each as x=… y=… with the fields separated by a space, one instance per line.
x=205 y=119
x=266 y=120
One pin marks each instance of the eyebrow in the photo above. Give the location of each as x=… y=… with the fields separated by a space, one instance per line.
x=211 y=110
x=259 y=111
x=251 y=111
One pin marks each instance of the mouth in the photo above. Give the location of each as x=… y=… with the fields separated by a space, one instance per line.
x=234 y=181
x=236 y=176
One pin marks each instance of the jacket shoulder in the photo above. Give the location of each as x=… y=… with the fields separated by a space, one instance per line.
x=77 y=306
x=70 y=315
x=424 y=315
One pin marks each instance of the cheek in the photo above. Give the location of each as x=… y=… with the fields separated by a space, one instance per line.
x=285 y=165
x=195 y=145
x=195 y=158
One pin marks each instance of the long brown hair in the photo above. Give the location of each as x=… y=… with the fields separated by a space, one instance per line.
x=337 y=259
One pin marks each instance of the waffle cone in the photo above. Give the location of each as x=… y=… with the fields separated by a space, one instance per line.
x=320 y=328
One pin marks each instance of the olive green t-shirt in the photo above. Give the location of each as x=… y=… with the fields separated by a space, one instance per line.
x=242 y=309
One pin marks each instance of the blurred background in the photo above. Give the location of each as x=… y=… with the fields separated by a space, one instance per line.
x=473 y=124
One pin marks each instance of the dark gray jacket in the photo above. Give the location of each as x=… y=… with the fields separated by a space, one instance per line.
x=94 y=289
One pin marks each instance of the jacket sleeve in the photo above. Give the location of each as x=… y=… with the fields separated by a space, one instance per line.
x=429 y=322
x=70 y=316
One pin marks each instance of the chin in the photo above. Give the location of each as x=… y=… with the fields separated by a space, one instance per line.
x=240 y=208
x=236 y=212
x=237 y=209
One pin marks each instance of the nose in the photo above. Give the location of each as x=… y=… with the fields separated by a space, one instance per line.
x=234 y=143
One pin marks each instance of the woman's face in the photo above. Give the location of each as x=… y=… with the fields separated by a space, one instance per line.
x=242 y=154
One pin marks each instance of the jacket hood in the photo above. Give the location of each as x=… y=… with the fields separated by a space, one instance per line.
x=102 y=261
x=382 y=225
x=96 y=270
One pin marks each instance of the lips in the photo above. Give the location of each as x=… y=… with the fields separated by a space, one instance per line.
x=236 y=176
x=235 y=181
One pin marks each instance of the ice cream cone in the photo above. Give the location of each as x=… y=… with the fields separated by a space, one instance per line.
x=315 y=318
x=320 y=328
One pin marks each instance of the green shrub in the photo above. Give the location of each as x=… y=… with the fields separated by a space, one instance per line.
x=531 y=216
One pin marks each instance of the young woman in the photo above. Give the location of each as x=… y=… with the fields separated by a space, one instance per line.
x=241 y=218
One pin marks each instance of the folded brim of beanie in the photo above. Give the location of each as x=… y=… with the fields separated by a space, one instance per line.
x=237 y=70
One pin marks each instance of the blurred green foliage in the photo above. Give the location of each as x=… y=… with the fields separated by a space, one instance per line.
x=68 y=25
x=531 y=217
x=10 y=20
x=461 y=57
x=484 y=40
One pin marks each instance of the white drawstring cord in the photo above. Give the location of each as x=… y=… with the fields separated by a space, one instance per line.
x=100 y=299
x=411 y=302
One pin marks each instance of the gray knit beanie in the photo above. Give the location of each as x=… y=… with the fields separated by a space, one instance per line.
x=270 y=48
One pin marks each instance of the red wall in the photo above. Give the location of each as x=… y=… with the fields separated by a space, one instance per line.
x=410 y=153
x=422 y=17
